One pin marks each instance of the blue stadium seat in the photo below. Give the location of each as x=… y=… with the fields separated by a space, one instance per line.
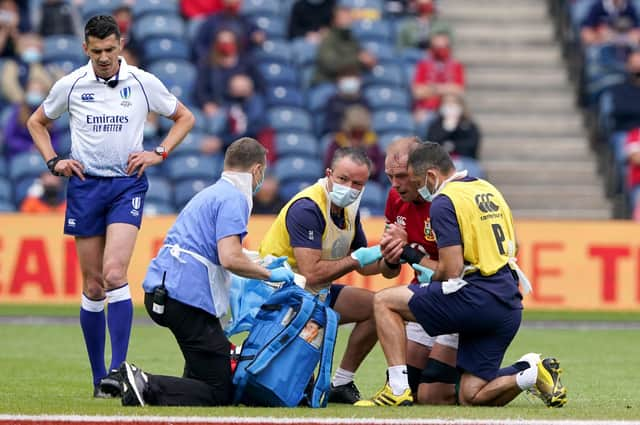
x=373 y=196
x=304 y=53
x=191 y=144
x=62 y=122
x=184 y=167
x=99 y=7
x=385 y=53
x=193 y=27
x=62 y=47
x=64 y=66
x=146 y=7
x=159 y=26
x=367 y=30
x=63 y=147
x=158 y=208
x=380 y=97
x=385 y=139
x=274 y=27
x=261 y=7
x=290 y=189
x=21 y=188
x=160 y=190
x=201 y=124
x=187 y=189
x=273 y=51
x=362 y=4
x=318 y=96
x=178 y=75
x=284 y=96
x=296 y=144
x=7 y=207
x=387 y=74
x=412 y=55
x=297 y=169
x=393 y=120
x=160 y=48
x=287 y=118
x=275 y=73
x=26 y=164
x=6 y=190
x=4 y=168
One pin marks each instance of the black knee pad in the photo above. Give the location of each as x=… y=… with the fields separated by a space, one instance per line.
x=413 y=375
x=437 y=371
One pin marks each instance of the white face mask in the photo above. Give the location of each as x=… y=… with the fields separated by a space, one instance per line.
x=343 y=196
x=451 y=110
x=425 y=192
x=349 y=85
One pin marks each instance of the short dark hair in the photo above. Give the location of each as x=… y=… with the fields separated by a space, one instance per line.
x=244 y=153
x=357 y=155
x=101 y=26
x=430 y=155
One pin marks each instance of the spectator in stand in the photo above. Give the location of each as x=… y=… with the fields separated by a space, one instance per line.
x=27 y=66
x=416 y=30
x=339 y=52
x=9 y=28
x=349 y=93
x=356 y=132
x=246 y=32
x=199 y=8
x=47 y=194
x=625 y=106
x=223 y=62
x=124 y=18
x=454 y=129
x=310 y=19
x=436 y=75
x=632 y=151
x=267 y=200
x=605 y=16
x=245 y=110
x=58 y=17
x=16 y=135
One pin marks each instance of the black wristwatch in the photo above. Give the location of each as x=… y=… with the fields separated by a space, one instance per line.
x=51 y=165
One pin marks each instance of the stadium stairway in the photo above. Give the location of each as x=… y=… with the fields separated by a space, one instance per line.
x=535 y=148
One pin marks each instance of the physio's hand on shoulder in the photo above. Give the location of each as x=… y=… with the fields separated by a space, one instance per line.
x=69 y=167
x=424 y=273
x=366 y=256
x=142 y=160
x=281 y=274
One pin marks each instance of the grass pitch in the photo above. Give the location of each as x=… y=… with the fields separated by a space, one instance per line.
x=44 y=370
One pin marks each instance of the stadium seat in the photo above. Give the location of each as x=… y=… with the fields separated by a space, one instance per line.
x=296 y=144
x=387 y=74
x=284 y=96
x=62 y=122
x=146 y=7
x=273 y=51
x=160 y=190
x=62 y=47
x=99 y=7
x=193 y=27
x=385 y=139
x=274 y=27
x=393 y=120
x=4 y=168
x=165 y=48
x=158 y=208
x=367 y=30
x=55 y=67
x=318 y=96
x=373 y=196
x=385 y=53
x=287 y=118
x=6 y=191
x=304 y=53
x=178 y=75
x=261 y=7
x=26 y=164
x=298 y=169
x=186 y=190
x=412 y=55
x=279 y=74
x=191 y=144
x=63 y=147
x=184 y=167
x=7 y=207
x=380 y=97
x=21 y=189
x=362 y=4
x=289 y=190
x=201 y=124
x=159 y=26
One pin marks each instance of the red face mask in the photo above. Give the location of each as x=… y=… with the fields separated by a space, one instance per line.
x=123 y=25
x=441 y=53
x=357 y=133
x=226 y=48
x=426 y=9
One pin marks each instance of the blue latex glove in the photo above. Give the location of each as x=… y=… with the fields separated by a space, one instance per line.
x=277 y=262
x=281 y=274
x=366 y=256
x=424 y=273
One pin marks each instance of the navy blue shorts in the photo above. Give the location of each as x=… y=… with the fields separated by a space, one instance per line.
x=486 y=325
x=96 y=202
x=334 y=292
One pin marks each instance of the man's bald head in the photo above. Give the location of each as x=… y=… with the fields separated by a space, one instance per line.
x=395 y=166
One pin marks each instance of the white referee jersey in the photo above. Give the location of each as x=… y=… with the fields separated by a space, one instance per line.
x=107 y=123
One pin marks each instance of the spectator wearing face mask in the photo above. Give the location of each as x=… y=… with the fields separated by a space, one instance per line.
x=9 y=28
x=124 y=18
x=247 y=34
x=16 y=136
x=339 y=51
x=438 y=74
x=310 y=19
x=454 y=129
x=356 y=132
x=349 y=93
x=416 y=30
x=245 y=110
x=27 y=66
x=625 y=111
x=45 y=195
x=605 y=18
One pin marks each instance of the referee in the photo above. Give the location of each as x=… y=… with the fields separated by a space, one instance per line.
x=108 y=102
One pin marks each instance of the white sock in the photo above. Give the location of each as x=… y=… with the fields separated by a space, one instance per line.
x=398 y=379
x=527 y=378
x=342 y=377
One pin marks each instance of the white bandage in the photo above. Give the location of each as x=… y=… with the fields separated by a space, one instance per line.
x=416 y=333
x=450 y=340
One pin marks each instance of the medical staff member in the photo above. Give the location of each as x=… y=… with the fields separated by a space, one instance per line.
x=108 y=102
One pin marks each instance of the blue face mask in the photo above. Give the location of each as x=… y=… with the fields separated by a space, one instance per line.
x=31 y=55
x=259 y=185
x=343 y=196
x=425 y=192
x=33 y=99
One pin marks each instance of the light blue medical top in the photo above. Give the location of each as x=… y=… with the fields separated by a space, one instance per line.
x=216 y=212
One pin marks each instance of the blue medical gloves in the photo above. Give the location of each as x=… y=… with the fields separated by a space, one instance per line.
x=366 y=256
x=424 y=273
x=277 y=262
x=281 y=274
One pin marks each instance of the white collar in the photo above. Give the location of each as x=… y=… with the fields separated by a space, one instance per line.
x=122 y=74
x=243 y=182
x=455 y=176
